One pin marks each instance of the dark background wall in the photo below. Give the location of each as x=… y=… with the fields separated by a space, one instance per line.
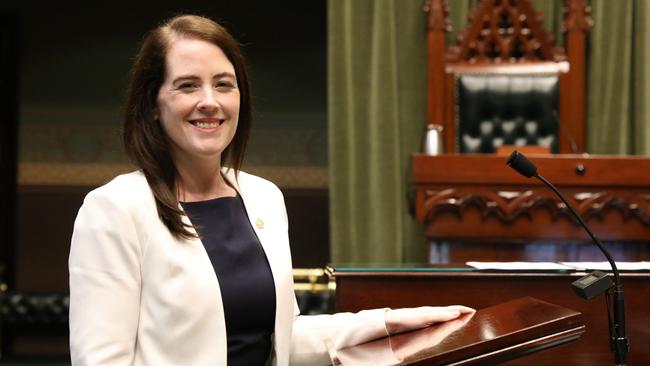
x=75 y=60
x=8 y=141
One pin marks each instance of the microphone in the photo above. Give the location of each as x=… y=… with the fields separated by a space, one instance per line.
x=596 y=282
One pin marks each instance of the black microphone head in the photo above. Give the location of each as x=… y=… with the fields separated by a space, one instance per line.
x=521 y=164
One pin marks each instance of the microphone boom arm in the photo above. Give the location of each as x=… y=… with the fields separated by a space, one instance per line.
x=610 y=259
x=618 y=339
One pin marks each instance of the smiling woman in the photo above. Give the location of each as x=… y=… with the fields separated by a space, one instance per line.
x=70 y=92
x=186 y=261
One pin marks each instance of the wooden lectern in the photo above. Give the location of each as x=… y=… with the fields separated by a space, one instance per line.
x=401 y=286
x=490 y=336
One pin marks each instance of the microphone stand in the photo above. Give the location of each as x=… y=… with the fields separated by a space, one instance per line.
x=618 y=339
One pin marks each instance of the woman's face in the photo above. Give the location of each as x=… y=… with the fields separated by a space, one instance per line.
x=198 y=102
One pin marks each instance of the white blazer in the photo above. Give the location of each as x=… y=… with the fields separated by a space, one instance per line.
x=139 y=296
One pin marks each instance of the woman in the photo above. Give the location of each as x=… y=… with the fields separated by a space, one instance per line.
x=186 y=261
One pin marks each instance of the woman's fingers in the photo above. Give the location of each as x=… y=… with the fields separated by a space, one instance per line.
x=462 y=309
x=402 y=320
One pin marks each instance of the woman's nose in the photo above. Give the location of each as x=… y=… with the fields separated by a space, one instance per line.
x=208 y=102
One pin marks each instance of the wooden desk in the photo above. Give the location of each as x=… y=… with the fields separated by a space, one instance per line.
x=358 y=289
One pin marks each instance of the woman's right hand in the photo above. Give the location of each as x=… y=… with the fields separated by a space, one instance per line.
x=407 y=345
x=403 y=320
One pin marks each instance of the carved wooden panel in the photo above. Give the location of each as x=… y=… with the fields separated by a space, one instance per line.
x=512 y=205
x=477 y=197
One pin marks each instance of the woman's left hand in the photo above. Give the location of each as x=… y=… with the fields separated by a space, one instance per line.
x=403 y=320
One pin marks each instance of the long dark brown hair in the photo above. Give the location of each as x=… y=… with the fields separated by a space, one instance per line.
x=145 y=142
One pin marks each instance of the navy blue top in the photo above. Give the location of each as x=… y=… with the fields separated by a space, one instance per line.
x=244 y=274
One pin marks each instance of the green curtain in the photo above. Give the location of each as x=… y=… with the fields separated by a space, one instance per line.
x=377 y=109
x=376 y=118
x=618 y=116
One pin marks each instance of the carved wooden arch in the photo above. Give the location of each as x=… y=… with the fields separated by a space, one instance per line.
x=504 y=31
x=507 y=36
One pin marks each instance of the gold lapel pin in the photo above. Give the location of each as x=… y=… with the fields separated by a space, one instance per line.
x=259 y=223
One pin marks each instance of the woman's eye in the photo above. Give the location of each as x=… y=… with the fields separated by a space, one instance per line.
x=187 y=86
x=224 y=85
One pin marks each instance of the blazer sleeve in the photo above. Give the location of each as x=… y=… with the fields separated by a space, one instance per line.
x=105 y=283
x=316 y=338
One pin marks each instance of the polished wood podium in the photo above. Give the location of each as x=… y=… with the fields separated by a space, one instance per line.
x=488 y=337
x=363 y=287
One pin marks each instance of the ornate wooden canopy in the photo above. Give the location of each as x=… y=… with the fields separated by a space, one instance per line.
x=505 y=31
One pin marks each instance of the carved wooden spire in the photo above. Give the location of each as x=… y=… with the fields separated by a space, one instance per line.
x=505 y=31
x=577 y=16
x=438 y=11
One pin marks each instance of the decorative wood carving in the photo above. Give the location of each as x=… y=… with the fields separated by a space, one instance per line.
x=505 y=31
x=438 y=11
x=477 y=197
x=510 y=206
x=577 y=16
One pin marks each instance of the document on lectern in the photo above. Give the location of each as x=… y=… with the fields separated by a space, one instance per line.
x=561 y=266
x=605 y=266
x=520 y=266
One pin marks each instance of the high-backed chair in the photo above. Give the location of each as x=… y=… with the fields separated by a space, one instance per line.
x=506 y=82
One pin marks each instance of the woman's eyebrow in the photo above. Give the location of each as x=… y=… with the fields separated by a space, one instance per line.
x=224 y=74
x=184 y=78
